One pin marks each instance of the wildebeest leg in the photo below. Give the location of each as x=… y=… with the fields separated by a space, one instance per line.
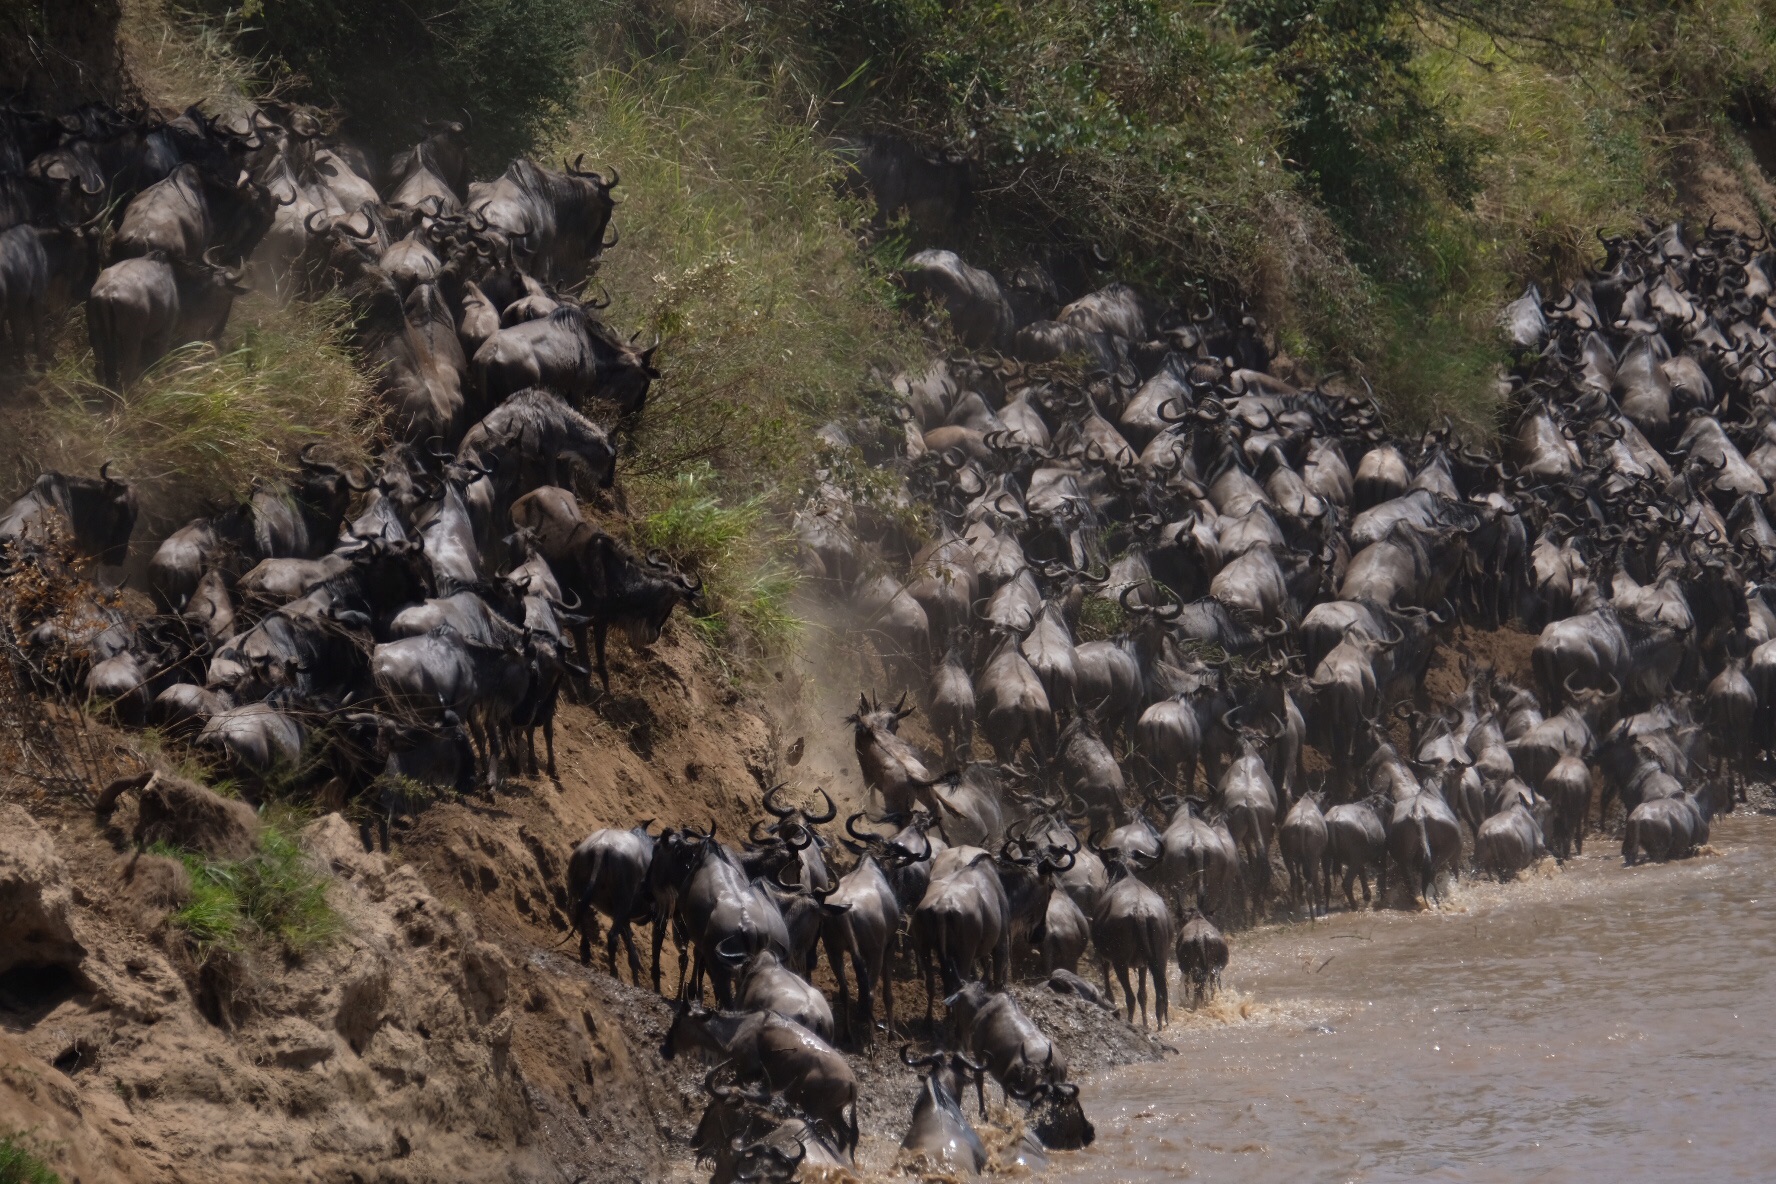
x=866 y=994
x=493 y=755
x=884 y=974
x=1122 y=976
x=930 y=985
x=548 y=742
x=1162 y=993
x=659 y=938
x=681 y=940
x=588 y=923
x=617 y=926
x=599 y=629
x=1141 y=992
x=838 y=965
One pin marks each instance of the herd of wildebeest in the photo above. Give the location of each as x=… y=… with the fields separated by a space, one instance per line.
x=1163 y=610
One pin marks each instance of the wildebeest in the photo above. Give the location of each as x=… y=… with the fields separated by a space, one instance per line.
x=568 y=352
x=1668 y=828
x=141 y=309
x=1509 y=841
x=1202 y=954
x=939 y=1130
x=614 y=589
x=560 y=217
x=1132 y=927
x=97 y=514
x=768 y=985
x=192 y=212
x=780 y=1052
x=607 y=873
x=996 y=1032
x=42 y=271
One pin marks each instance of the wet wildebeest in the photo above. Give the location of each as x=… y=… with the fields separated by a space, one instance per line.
x=1202 y=955
x=1668 y=828
x=939 y=1129
x=1132 y=927
x=780 y=1052
x=998 y=1034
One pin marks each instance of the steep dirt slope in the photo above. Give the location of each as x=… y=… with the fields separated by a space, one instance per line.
x=429 y=1042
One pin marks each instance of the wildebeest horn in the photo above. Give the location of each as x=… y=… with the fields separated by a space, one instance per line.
x=779 y=811
x=860 y=836
x=832 y=811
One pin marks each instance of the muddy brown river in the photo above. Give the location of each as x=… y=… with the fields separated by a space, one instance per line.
x=1596 y=1023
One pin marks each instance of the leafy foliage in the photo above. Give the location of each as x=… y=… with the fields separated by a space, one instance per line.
x=510 y=64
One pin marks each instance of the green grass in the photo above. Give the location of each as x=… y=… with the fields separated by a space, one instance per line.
x=275 y=897
x=737 y=252
x=203 y=423
x=735 y=550
x=18 y=1165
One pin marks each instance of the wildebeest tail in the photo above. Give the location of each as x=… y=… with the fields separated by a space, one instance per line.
x=585 y=900
x=101 y=327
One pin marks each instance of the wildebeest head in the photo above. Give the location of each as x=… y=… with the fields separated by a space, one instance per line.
x=873 y=717
x=1056 y=1117
x=100 y=512
x=325 y=486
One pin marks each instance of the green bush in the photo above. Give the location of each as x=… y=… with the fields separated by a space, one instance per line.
x=19 y=1166
x=511 y=65
x=733 y=549
x=275 y=897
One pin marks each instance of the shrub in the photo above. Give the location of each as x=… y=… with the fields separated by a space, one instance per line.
x=18 y=1165
x=739 y=254
x=276 y=897
x=510 y=65
x=734 y=550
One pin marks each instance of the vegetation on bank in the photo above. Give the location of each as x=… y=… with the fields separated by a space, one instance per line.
x=1373 y=177
x=274 y=898
x=204 y=423
x=19 y=1165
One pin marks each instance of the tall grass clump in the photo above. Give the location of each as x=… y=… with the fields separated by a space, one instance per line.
x=738 y=253
x=274 y=898
x=19 y=1165
x=179 y=58
x=204 y=422
x=736 y=549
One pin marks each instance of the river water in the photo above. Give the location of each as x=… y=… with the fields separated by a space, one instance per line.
x=1595 y=1023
